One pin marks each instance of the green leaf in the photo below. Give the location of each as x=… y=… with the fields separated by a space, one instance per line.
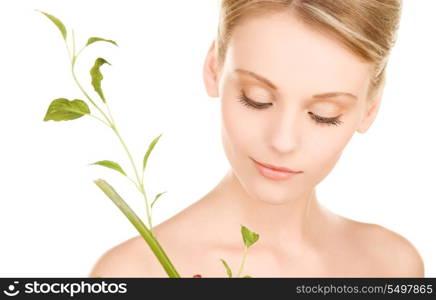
x=97 y=77
x=248 y=236
x=110 y=164
x=247 y=276
x=57 y=22
x=228 y=270
x=97 y=39
x=62 y=109
x=150 y=148
x=157 y=196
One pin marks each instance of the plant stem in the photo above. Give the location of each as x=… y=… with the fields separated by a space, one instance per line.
x=140 y=181
x=91 y=115
x=243 y=260
x=139 y=225
x=111 y=123
x=141 y=186
x=78 y=53
x=148 y=210
x=74 y=43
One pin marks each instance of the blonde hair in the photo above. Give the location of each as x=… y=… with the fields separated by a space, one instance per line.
x=368 y=28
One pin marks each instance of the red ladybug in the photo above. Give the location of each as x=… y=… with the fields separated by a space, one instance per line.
x=197 y=276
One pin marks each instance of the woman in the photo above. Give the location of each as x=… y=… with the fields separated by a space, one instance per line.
x=296 y=80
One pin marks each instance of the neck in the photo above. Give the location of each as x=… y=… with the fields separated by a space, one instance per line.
x=291 y=225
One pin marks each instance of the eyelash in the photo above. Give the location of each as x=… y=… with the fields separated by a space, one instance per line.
x=320 y=120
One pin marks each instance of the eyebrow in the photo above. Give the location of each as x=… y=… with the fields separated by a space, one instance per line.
x=272 y=86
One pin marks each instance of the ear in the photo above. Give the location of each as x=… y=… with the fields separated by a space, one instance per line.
x=370 y=112
x=210 y=72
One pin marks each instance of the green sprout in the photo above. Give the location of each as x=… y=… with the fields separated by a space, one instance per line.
x=249 y=238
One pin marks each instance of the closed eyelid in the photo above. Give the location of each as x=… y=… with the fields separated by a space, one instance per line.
x=319 y=119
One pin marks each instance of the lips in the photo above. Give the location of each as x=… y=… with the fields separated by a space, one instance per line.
x=282 y=169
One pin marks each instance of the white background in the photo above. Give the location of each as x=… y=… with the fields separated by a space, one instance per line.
x=54 y=221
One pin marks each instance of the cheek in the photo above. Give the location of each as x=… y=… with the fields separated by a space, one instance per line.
x=324 y=151
x=240 y=127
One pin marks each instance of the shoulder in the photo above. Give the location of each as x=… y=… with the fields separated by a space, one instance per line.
x=393 y=253
x=131 y=258
x=400 y=254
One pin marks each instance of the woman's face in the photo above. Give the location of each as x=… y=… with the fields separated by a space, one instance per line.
x=289 y=127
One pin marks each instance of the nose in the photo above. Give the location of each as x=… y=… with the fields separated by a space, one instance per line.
x=285 y=132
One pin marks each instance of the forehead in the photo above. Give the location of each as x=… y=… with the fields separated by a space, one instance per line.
x=296 y=58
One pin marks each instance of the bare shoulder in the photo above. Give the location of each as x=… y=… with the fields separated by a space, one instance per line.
x=134 y=258
x=392 y=252
x=399 y=253
x=131 y=258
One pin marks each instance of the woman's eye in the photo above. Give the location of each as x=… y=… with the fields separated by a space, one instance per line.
x=252 y=104
x=318 y=119
x=327 y=121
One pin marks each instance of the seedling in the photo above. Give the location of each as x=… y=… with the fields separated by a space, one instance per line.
x=62 y=109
